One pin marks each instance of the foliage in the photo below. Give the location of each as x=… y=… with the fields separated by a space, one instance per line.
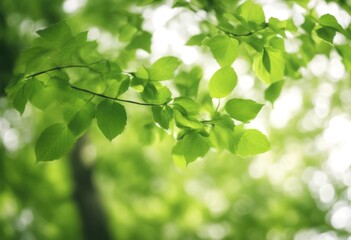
x=242 y=32
x=81 y=88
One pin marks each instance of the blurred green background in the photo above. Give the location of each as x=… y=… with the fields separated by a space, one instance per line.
x=299 y=190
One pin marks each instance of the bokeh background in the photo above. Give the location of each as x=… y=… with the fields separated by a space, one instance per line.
x=299 y=190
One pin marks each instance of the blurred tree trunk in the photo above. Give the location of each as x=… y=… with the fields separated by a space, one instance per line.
x=92 y=215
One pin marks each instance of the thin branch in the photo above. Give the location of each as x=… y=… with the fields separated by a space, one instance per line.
x=56 y=69
x=229 y=33
x=91 y=92
x=115 y=98
x=88 y=66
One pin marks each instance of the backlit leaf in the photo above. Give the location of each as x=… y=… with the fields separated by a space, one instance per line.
x=251 y=142
x=196 y=40
x=273 y=91
x=222 y=82
x=252 y=13
x=111 y=118
x=54 y=142
x=224 y=49
x=243 y=110
x=192 y=146
x=82 y=119
x=162 y=116
x=164 y=68
x=270 y=59
x=328 y=20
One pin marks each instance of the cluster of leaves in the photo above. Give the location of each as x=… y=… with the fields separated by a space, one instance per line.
x=65 y=71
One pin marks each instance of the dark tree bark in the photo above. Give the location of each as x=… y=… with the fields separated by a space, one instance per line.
x=92 y=215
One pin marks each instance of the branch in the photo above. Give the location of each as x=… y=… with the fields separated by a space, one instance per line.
x=91 y=92
x=231 y=34
x=115 y=98
x=56 y=69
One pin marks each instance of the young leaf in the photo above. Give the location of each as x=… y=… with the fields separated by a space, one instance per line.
x=192 y=146
x=196 y=40
x=273 y=91
x=141 y=41
x=328 y=20
x=142 y=73
x=82 y=119
x=58 y=32
x=39 y=95
x=187 y=83
x=178 y=157
x=221 y=137
x=251 y=142
x=16 y=92
x=164 y=68
x=270 y=59
x=222 y=82
x=326 y=33
x=156 y=93
x=224 y=49
x=54 y=142
x=243 y=110
x=266 y=61
x=252 y=13
x=111 y=118
x=20 y=101
x=162 y=116
x=186 y=105
x=184 y=121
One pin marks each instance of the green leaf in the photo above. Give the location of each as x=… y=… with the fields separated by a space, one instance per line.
x=221 y=137
x=111 y=118
x=196 y=40
x=280 y=26
x=178 y=156
x=243 y=110
x=328 y=20
x=164 y=68
x=224 y=49
x=252 y=13
x=58 y=32
x=103 y=67
x=273 y=91
x=326 y=33
x=82 y=119
x=192 y=146
x=141 y=41
x=186 y=105
x=142 y=73
x=184 y=121
x=251 y=142
x=16 y=92
x=162 y=116
x=39 y=95
x=222 y=82
x=20 y=101
x=266 y=61
x=156 y=93
x=54 y=142
x=187 y=83
x=271 y=59
x=138 y=84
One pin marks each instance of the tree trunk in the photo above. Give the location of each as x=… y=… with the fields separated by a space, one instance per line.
x=92 y=215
